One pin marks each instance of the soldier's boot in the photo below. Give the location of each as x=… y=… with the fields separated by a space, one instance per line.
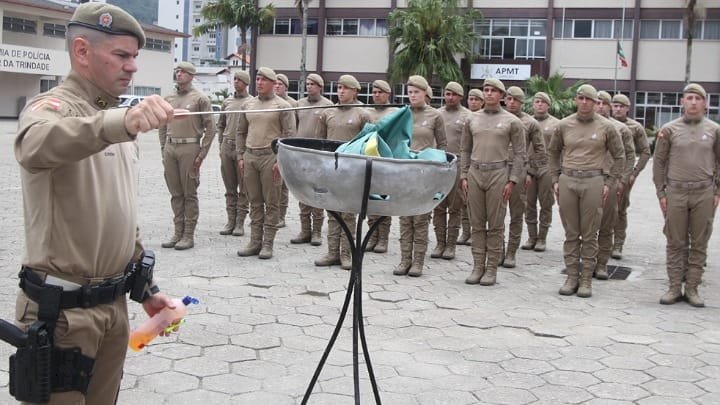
x=305 y=235
x=179 y=230
x=230 y=224
x=418 y=262
x=187 y=241
x=465 y=237
x=601 y=272
x=585 y=288
x=440 y=237
x=493 y=261
x=281 y=214
x=490 y=276
x=405 y=259
x=673 y=294
x=239 y=229
x=509 y=261
x=316 y=234
x=254 y=246
x=617 y=252
x=540 y=244
x=571 y=282
x=332 y=257
x=692 y=296
x=532 y=237
x=478 y=269
x=370 y=247
x=449 y=252
x=266 y=252
x=345 y=254
x=383 y=235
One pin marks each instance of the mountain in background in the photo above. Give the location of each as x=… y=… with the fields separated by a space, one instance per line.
x=144 y=10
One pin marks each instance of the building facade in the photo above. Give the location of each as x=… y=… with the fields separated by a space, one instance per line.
x=33 y=53
x=578 y=38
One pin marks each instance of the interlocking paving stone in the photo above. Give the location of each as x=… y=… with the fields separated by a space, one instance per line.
x=561 y=394
x=570 y=378
x=626 y=362
x=670 y=388
x=577 y=364
x=502 y=395
x=665 y=401
x=202 y=366
x=619 y=391
x=622 y=376
x=515 y=380
x=169 y=382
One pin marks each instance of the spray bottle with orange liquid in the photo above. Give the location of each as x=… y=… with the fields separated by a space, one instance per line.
x=166 y=320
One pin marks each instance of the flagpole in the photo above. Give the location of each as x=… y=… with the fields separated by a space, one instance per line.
x=618 y=46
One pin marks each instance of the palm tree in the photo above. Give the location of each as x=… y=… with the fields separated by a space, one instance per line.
x=243 y=14
x=302 y=6
x=562 y=97
x=426 y=36
x=693 y=12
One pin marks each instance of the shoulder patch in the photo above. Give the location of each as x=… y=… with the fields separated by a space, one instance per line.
x=51 y=103
x=661 y=135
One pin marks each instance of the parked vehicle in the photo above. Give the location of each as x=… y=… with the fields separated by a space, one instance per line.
x=127 y=100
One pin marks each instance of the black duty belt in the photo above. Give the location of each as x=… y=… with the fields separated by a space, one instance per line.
x=536 y=164
x=183 y=140
x=489 y=166
x=689 y=185
x=259 y=151
x=582 y=174
x=84 y=297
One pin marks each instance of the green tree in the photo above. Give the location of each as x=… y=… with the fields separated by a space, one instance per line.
x=302 y=7
x=562 y=97
x=426 y=36
x=243 y=14
x=693 y=12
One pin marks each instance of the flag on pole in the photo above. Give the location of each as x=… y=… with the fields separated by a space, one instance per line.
x=621 y=55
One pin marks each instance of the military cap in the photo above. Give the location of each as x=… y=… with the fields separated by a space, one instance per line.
x=587 y=91
x=494 y=83
x=516 y=93
x=621 y=99
x=456 y=88
x=543 y=96
x=186 y=66
x=108 y=19
x=243 y=76
x=349 y=81
x=267 y=73
x=317 y=79
x=419 y=82
x=429 y=93
x=696 y=89
x=476 y=93
x=283 y=79
x=381 y=85
x=604 y=96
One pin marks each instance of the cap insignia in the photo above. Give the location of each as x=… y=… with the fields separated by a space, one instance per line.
x=105 y=20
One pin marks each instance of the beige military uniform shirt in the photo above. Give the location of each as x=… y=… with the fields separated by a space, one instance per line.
x=642 y=147
x=309 y=120
x=627 y=141
x=428 y=129
x=227 y=123
x=258 y=130
x=197 y=126
x=343 y=123
x=582 y=144
x=536 y=154
x=79 y=174
x=547 y=125
x=686 y=151
x=454 y=123
x=376 y=113
x=487 y=137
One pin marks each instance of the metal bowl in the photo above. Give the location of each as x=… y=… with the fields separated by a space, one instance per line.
x=320 y=177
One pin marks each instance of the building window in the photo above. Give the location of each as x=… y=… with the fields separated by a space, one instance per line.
x=661 y=29
x=196 y=48
x=365 y=27
x=19 y=25
x=511 y=39
x=211 y=49
x=145 y=90
x=593 y=29
x=290 y=26
x=54 y=30
x=655 y=109
x=47 y=84
x=154 y=44
x=708 y=30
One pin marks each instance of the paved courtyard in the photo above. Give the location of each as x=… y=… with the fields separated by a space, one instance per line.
x=261 y=326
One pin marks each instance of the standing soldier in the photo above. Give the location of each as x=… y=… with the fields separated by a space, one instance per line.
x=610 y=210
x=281 y=87
x=475 y=101
x=78 y=160
x=342 y=124
x=621 y=106
x=536 y=156
x=577 y=150
x=184 y=145
x=686 y=158
x=447 y=216
x=236 y=202
x=378 y=242
x=311 y=218
x=428 y=132
x=485 y=178
x=256 y=161
x=538 y=181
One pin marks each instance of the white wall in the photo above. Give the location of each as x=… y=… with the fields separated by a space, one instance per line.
x=283 y=52
x=656 y=65
x=357 y=4
x=589 y=59
x=600 y=3
x=361 y=54
x=14 y=86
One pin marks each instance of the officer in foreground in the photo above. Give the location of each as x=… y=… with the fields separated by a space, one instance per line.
x=686 y=157
x=475 y=102
x=80 y=239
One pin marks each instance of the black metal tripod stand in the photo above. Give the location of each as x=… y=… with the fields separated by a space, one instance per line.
x=354 y=290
